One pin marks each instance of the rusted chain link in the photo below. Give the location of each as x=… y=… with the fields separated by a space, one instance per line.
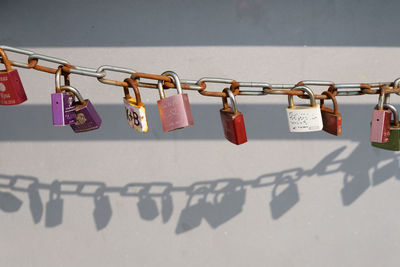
x=200 y=85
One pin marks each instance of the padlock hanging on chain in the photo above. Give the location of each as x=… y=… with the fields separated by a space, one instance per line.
x=393 y=142
x=331 y=118
x=380 y=124
x=175 y=112
x=134 y=108
x=87 y=118
x=304 y=118
x=62 y=102
x=232 y=120
x=11 y=89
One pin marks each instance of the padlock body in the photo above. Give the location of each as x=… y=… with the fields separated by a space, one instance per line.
x=380 y=126
x=394 y=140
x=233 y=126
x=175 y=112
x=332 y=123
x=87 y=118
x=63 y=109
x=11 y=90
x=304 y=118
x=135 y=115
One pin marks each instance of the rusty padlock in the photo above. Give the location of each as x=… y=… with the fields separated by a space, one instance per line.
x=331 y=118
x=11 y=90
x=380 y=124
x=175 y=112
x=232 y=120
x=87 y=118
x=62 y=103
x=134 y=108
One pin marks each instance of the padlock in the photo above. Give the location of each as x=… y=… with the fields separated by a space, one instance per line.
x=232 y=120
x=331 y=118
x=394 y=137
x=62 y=103
x=87 y=118
x=175 y=112
x=134 y=108
x=11 y=90
x=304 y=118
x=380 y=124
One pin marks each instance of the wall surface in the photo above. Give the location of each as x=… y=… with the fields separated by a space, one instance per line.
x=190 y=198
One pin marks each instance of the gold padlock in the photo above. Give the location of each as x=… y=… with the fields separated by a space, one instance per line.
x=134 y=107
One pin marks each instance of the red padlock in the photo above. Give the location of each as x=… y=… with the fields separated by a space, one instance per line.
x=331 y=118
x=11 y=90
x=232 y=120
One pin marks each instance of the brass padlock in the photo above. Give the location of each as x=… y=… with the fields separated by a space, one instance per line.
x=134 y=107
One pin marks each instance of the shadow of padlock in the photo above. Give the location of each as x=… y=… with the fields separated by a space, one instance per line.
x=355 y=187
x=55 y=206
x=102 y=210
x=385 y=172
x=147 y=206
x=9 y=202
x=35 y=202
x=230 y=205
x=167 y=207
x=192 y=214
x=286 y=199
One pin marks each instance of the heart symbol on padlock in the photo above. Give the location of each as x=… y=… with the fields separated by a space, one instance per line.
x=2 y=87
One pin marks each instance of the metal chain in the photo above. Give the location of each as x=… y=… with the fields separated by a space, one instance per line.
x=200 y=85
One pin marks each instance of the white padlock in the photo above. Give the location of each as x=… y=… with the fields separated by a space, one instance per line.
x=304 y=118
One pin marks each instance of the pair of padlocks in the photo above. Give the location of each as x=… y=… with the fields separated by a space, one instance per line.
x=11 y=90
x=80 y=114
x=175 y=112
x=313 y=117
x=385 y=133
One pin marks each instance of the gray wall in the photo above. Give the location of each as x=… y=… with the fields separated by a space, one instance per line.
x=190 y=198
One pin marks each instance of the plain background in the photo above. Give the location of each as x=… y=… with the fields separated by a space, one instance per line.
x=190 y=198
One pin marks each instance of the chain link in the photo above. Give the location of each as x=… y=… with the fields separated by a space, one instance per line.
x=200 y=85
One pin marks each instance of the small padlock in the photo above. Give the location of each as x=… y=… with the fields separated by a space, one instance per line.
x=394 y=137
x=134 y=108
x=11 y=90
x=87 y=118
x=304 y=118
x=232 y=120
x=62 y=103
x=380 y=124
x=331 y=118
x=175 y=112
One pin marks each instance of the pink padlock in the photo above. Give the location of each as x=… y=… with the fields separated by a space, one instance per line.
x=175 y=112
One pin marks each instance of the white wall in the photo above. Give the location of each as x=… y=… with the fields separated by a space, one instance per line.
x=303 y=199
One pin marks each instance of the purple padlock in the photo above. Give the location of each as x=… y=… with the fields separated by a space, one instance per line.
x=62 y=103
x=87 y=118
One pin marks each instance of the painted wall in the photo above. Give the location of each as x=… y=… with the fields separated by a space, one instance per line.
x=190 y=198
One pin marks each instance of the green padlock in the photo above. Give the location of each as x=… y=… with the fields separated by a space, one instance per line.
x=394 y=138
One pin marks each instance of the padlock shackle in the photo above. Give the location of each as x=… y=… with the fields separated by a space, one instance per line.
x=175 y=80
x=58 y=78
x=74 y=91
x=230 y=94
x=134 y=85
x=334 y=101
x=382 y=98
x=6 y=61
x=304 y=89
x=395 y=114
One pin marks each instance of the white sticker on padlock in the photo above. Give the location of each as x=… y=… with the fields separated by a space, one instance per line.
x=136 y=116
x=304 y=118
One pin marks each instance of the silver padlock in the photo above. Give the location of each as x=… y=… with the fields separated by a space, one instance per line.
x=304 y=118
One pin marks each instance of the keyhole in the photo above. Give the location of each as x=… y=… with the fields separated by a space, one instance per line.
x=377 y=119
x=57 y=102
